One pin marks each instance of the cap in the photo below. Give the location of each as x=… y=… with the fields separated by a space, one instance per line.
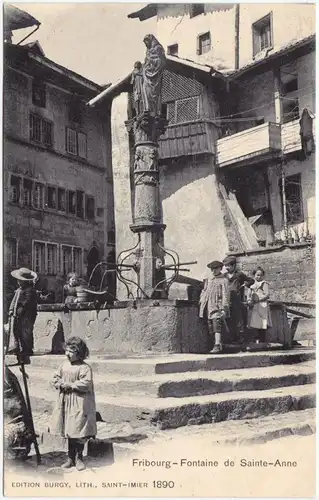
x=230 y=259
x=214 y=264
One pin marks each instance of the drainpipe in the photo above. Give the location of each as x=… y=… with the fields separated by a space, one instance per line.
x=237 y=7
x=283 y=194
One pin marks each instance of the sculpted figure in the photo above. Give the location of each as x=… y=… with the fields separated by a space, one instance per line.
x=137 y=82
x=153 y=75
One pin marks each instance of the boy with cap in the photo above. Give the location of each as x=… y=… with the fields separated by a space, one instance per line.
x=214 y=300
x=22 y=314
x=237 y=281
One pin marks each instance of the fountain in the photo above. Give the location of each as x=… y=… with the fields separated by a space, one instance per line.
x=148 y=321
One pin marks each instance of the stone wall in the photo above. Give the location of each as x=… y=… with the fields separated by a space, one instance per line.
x=290 y=270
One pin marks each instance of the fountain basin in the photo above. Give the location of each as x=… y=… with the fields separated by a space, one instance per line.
x=127 y=327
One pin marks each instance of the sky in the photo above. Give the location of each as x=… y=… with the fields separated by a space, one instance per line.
x=97 y=40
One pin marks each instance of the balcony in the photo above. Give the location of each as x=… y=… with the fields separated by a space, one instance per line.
x=188 y=138
x=290 y=137
x=257 y=142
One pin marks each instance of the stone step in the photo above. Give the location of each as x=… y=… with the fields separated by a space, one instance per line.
x=181 y=385
x=259 y=430
x=181 y=363
x=175 y=412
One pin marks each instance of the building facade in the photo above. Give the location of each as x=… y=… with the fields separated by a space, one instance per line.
x=237 y=161
x=228 y=35
x=58 y=184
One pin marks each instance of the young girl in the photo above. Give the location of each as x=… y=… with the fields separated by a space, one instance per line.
x=259 y=312
x=75 y=413
x=70 y=288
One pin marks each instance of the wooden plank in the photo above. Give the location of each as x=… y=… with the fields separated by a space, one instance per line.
x=246 y=232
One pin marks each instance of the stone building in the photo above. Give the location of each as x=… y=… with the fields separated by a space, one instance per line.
x=237 y=164
x=58 y=185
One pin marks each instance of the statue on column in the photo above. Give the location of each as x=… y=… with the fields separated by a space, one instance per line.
x=147 y=78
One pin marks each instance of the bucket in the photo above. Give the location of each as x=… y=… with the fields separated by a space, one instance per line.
x=82 y=294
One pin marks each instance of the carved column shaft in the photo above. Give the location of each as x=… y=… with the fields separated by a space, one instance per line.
x=147 y=208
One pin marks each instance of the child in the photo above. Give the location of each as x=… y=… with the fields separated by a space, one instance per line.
x=22 y=315
x=237 y=282
x=259 y=313
x=215 y=297
x=75 y=412
x=70 y=288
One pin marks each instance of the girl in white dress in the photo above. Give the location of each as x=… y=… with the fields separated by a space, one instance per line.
x=259 y=312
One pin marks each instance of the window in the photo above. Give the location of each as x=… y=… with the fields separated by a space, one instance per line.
x=66 y=260
x=293 y=193
x=41 y=130
x=172 y=50
x=71 y=259
x=27 y=193
x=14 y=195
x=76 y=143
x=38 y=93
x=71 y=146
x=290 y=86
x=203 y=43
x=80 y=204
x=196 y=9
x=290 y=110
x=61 y=200
x=52 y=201
x=289 y=92
x=90 y=208
x=39 y=257
x=38 y=195
x=262 y=34
x=75 y=110
x=52 y=258
x=100 y=211
x=11 y=247
x=183 y=110
x=71 y=202
x=77 y=260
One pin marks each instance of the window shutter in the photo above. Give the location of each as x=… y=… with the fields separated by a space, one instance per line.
x=82 y=147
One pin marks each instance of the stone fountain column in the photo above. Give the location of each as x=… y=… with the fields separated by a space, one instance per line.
x=146 y=127
x=148 y=222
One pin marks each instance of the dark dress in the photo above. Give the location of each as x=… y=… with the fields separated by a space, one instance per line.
x=237 y=311
x=69 y=294
x=23 y=312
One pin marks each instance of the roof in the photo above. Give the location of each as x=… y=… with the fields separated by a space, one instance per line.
x=150 y=10
x=15 y=19
x=207 y=68
x=290 y=47
x=122 y=85
x=18 y=54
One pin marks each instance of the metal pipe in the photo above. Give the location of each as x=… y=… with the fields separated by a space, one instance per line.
x=237 y=36
x=180 y=264
x=29 y=34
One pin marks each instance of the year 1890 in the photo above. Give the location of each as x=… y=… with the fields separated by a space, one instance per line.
x=163 y=484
